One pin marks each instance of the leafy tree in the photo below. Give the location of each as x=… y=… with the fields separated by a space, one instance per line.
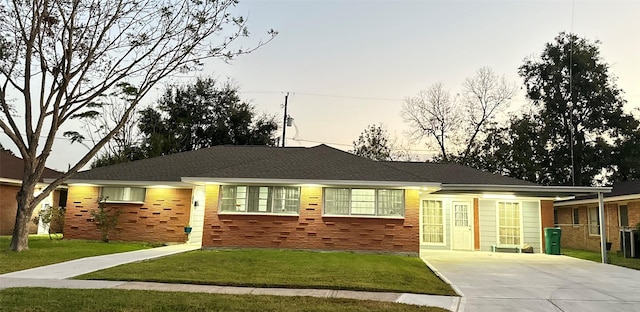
x=579 y=105
x=458 y=125
x=57 y=57
x=200 y=115
x=373 y=143
x=575 y=132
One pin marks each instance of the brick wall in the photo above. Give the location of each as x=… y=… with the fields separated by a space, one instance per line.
x=546 y=218
x=8 y=207
x=310 y=230
x=578 y=237
x=161 y=218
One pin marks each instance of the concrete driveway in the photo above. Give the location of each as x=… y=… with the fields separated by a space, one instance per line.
x=536 y=282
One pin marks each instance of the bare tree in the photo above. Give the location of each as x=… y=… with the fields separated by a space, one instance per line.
x=111 y=108
x=57 y=57
x=434 y=115
x=483 y=96
x=457 y=125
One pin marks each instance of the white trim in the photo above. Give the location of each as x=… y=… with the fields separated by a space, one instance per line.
x=305 y=182
x=239 y=213
x=19 y=182
x=521 y=208
x=595 y=200
x=470 y=220
x=541 y=234
x=147 y=184
x=444 y=224
x=525 y=188
x=363 y=216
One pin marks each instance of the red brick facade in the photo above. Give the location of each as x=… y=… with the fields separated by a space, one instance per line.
x=8 y=207
x=546 y=217
x=310 y=230
x=161 y=218
x=577 y=236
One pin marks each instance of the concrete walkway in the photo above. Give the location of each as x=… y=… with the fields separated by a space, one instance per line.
x=536 y=282
x=57 y=276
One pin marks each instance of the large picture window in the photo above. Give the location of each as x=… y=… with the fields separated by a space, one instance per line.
x=364 y=202
x=509 y=231
x=123 y=194
x=259 y=199
x=432 y=222
x=594 y=221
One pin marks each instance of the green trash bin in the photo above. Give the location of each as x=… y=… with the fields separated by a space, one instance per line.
x=552 y=240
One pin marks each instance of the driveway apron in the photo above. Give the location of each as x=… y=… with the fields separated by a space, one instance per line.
x=536 y=282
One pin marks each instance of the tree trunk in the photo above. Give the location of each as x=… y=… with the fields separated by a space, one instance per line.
x=20 y=238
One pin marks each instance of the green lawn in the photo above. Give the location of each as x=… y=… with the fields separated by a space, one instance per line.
x=43 y=251
x=46 y=299
x=286 y=269
x=613 y=257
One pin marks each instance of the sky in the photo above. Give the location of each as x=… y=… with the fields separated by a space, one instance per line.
x=349 y=64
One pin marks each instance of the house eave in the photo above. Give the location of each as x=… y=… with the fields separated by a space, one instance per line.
x=525 y=190
x=595 y=200
x=399 y=184
x=173 y=184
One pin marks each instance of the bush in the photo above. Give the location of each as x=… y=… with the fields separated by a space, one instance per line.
x=105 y=219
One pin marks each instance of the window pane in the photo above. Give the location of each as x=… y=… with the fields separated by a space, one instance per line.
x=509 y=223
x=336 y=201
x=363 y=201
x=286 y=199
x=112 y=193
x=432 y=221
x=576 y=216
x=258 y=199
x=136 y=194
x=390 y=203
x=594 y=221
x=123 y=194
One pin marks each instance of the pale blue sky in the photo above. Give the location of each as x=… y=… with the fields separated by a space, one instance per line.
x=389 y=50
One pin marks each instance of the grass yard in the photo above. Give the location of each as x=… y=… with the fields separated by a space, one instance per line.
x=285 y=269
x=45 y=299
x=619 y=260
x=43 y=251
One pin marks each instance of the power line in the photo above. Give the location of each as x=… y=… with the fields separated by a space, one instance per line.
x=327 y=95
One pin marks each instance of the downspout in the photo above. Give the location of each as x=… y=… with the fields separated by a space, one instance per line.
x=603 y=234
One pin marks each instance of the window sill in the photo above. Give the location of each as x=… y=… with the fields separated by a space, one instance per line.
x=240 y=213
x=123 y=202
x=363 y=216
x=433 y=244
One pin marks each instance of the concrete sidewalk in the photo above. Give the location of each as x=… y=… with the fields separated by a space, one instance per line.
x=57 y=276
x=91 y=264
x=445 y=302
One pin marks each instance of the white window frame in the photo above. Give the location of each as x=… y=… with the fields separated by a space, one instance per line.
x=362 y=215
x=444 y=224
x=271 y=199
x=126 y=195
x=590 y=221
x=521 y=222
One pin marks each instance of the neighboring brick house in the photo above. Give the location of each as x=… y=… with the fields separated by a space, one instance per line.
x=580 y=221
x=312 y=198
x=11 y=168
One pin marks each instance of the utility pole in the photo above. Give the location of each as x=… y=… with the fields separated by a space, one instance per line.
x=284 y=123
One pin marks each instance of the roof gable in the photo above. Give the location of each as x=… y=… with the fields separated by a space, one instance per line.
x=12 y=167
x=295 y=163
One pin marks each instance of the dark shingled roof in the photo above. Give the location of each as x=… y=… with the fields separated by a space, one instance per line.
x=452 y=173
x=297 y=163
x=619 y=189
x=12 y=167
